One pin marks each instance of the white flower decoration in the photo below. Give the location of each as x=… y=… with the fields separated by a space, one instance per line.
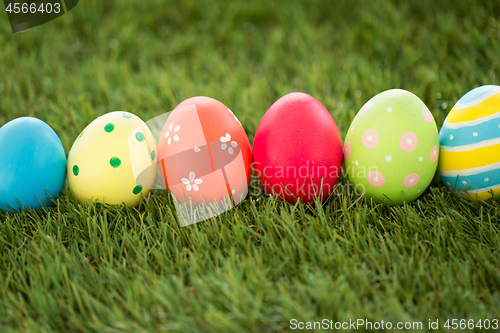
x=167 y=135
x=192 y=182
x=224 y=145
x=234 y=116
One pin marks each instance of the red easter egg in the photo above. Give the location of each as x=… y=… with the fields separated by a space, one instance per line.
x=204 y=153
x=297 y=150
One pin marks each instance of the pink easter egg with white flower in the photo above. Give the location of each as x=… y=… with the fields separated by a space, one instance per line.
x=204 y=154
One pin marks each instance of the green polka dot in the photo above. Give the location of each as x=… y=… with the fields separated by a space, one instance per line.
x=126 y=115
x=109 y=127
x=76 y=170
x=137 y=189
x=139 y=136
x=80 y=135
x=115 y=162
x=153 y=154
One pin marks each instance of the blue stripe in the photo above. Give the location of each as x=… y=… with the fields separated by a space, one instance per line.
x=476 y=93
x=474 y=182
x=464 y=136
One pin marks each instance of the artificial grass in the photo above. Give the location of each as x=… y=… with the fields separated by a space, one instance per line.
x=78 y=268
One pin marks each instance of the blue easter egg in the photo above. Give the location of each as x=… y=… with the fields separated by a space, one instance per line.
x=469 y=160
x=32 y=164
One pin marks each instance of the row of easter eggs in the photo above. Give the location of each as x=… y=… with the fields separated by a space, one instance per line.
x=390 y=152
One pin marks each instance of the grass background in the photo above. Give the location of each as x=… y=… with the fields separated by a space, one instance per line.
x=77 y=268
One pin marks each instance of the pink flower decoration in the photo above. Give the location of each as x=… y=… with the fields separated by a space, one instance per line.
x=347 y=150
x=375 y=179
x=427 y=115
x=411 y=180
x=434 y=154
x=408 y=141
x=370 y=139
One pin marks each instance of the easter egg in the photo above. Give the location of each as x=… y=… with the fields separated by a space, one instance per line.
x=204 y=154
x=32 y=164
x=113 y=160
x=470 y=144
x=297 y=149
x=391 y=149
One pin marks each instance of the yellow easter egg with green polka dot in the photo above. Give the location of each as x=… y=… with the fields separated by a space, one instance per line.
x=113 y=161
x=391 y=150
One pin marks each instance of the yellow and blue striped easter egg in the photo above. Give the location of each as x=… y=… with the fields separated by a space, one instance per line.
x=470 y=144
